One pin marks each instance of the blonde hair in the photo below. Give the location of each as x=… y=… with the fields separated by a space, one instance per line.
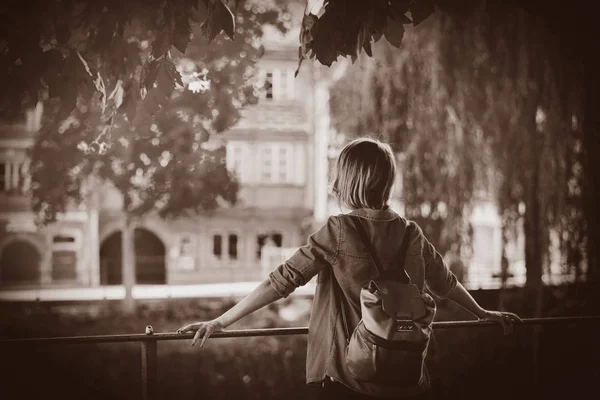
x=365 y=172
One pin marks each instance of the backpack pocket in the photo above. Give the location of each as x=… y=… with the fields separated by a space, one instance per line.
x=386 y=362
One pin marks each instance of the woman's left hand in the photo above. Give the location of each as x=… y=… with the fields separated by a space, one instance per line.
x=204 y=329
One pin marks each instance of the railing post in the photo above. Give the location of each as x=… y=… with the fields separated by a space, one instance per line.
x=149 y=367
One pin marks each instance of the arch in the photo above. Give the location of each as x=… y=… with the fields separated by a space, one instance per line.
x=150 y=259
x=20 y=261
x=158 y=228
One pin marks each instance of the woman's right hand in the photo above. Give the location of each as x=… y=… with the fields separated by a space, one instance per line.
x=506 y=319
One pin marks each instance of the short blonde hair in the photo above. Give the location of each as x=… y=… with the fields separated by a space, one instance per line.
x=365 y=172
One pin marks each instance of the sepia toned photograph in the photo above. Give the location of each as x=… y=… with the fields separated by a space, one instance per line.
x=299 y=199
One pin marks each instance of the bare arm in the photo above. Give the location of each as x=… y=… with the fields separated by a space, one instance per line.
x=463 y=298
x=261 y=296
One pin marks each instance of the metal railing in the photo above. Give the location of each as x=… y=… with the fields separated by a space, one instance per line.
x=149 y=342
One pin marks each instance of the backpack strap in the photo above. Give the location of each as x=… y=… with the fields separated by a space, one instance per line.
x=365 y=239
x=404 y=251
x=401 y=273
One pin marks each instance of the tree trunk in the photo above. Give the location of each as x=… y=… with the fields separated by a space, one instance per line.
x=534 y=229
x=533 y=264
x=533 y=250
x=128 y=263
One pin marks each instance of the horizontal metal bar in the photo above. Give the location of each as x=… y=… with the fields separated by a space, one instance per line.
x=271 y=332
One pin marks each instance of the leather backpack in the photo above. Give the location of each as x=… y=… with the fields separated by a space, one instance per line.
x=389 y=345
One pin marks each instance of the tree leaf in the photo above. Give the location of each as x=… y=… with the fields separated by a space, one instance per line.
x=106 y=32
x=420 y=10
x=54 y=63
x=377 y=34
x=130 y=99
x=226 y=19
x=132 y=57
x=219 y=18
x=148 y=74
x=398 y=9
x=163 y=41
x=164 y=78
x=182 y=33
x=394 y=32
x=174 y=74
x=152 y=101
x=86 y=89
x=62 y=32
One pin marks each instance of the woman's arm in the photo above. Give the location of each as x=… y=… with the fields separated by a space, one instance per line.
x=463 y=298
x=261 y=296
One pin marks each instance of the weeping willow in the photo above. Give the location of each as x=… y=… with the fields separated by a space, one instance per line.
x=487 y=110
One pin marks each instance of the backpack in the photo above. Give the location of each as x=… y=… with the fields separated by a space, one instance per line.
x=389 y=345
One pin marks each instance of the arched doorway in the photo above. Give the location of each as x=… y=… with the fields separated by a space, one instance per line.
x=150 y=257
x=110 y=260
x=20 y=263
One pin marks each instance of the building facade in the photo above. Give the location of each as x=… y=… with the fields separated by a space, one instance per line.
x=273 y=151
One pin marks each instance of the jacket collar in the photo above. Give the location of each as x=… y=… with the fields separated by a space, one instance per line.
x=386 y=214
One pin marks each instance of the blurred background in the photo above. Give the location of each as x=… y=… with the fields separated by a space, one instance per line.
x=104 y=232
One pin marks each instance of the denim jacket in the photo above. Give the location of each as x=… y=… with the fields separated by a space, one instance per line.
x=336 y=251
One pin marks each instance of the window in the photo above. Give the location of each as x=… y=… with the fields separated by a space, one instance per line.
x=233 y=241
x=63 y=239
x=64 y=265
x=64 y=258
x=277 y=158
x=267 y=165
x=13 y=177
x=237 y=160
x=186 y=259
x=279 y=84
x=278 y=239
x=283 y=158
x=217 y=245
x=3 y=177
x=290 y=84
x=268 y=87
x=273 y=239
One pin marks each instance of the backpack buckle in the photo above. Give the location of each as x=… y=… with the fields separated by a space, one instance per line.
x=404 y=325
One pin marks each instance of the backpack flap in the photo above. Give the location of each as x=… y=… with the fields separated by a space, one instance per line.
x=401 y=300
x=383 y=303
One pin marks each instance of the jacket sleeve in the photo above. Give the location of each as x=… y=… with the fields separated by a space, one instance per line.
x=320 y=251
x=438 y=277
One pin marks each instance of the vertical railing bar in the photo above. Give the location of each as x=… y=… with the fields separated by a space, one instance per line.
x=149 y=369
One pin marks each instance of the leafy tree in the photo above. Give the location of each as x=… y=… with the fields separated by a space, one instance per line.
x=474 y=104
x=403 y=96
x=60 y=33
x=162 y=160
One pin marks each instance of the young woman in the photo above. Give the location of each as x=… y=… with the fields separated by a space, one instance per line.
x=365 y=173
